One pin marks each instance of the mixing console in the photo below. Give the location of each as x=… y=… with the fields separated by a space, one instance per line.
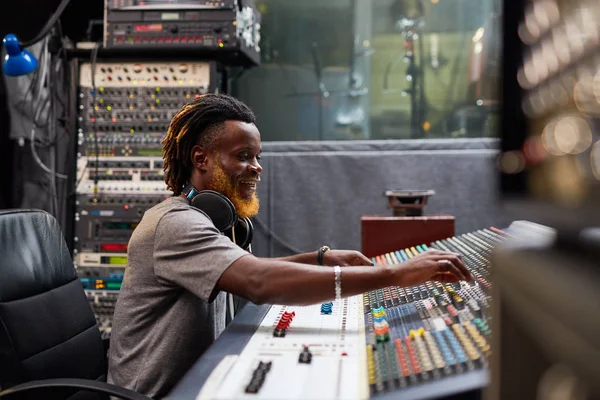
x=421 y=334
x=413 y=342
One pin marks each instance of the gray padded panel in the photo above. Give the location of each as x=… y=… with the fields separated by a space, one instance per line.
x=314 y=193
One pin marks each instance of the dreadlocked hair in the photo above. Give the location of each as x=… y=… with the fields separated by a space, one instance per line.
x=197 y=123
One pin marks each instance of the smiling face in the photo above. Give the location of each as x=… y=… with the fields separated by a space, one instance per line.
x=233 y=167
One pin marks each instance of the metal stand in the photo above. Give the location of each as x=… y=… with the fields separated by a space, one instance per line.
x=414 y=73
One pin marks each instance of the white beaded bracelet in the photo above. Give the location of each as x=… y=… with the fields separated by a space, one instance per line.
x=338 y=282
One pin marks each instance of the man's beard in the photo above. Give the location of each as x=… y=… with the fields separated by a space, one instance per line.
x=222 y=183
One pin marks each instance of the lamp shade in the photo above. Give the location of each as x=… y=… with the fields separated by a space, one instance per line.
x=17 y=61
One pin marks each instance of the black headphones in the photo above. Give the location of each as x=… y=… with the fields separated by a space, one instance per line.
x=223 y=214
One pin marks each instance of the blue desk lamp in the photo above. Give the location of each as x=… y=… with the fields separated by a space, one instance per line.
x=19 y=61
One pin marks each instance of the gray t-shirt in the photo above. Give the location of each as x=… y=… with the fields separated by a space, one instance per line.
x=168 y=311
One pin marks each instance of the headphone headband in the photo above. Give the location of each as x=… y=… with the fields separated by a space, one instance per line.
x=222 y=213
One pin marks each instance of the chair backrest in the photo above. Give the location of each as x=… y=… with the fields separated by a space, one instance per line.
x=47 y=327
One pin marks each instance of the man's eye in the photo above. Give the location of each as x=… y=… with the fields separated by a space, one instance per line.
x=243 y=157
x=259 y=157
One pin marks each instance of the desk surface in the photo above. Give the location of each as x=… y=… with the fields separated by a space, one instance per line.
x=231 y=341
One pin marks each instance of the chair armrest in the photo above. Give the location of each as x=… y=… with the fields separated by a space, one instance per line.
x=83 y=384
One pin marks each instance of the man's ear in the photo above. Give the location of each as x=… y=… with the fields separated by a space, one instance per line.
x=200 y=158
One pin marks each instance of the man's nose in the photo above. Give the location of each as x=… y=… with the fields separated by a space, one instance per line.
x=255 y=167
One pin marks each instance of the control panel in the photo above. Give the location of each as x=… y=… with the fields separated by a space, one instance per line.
x=126 y=175
x=124 y=111
x=104 y=223
x=172 y=4
x=228 y=31
x=103 y=305
x=424 y=341
x=129 y=110
x=317 y=354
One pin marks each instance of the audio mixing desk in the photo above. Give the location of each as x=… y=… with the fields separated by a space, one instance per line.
x=426 y=341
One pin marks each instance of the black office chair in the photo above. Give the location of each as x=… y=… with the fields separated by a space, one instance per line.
x=50 y=345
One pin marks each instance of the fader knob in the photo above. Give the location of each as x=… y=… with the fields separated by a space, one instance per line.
x=279 y=333
x=326 y=308
x=305 y=356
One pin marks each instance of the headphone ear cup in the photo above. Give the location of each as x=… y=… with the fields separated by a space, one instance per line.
x=218 y=207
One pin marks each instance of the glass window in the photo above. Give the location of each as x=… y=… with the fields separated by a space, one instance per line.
x=375 y=69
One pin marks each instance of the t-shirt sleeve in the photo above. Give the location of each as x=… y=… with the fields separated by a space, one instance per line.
x=190 y=252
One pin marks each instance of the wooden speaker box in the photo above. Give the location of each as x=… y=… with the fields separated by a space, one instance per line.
x=383 y=234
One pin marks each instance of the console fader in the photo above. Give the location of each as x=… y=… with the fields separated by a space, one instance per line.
x=124 y=112
x=415 y=342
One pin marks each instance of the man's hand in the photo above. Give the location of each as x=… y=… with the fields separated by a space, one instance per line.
x=345 y=258
x=434 y=265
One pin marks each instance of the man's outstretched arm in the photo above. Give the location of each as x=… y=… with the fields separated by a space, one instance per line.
x=303 y=258
x=270 y=281
x=330 y=258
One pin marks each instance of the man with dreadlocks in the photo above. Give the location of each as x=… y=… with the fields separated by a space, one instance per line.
x=171 y=306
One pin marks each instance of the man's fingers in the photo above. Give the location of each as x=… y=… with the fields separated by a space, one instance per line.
x=456 y=260
x=364 y=260
x=449 y=266
x=360 y=259
x=435 y=251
